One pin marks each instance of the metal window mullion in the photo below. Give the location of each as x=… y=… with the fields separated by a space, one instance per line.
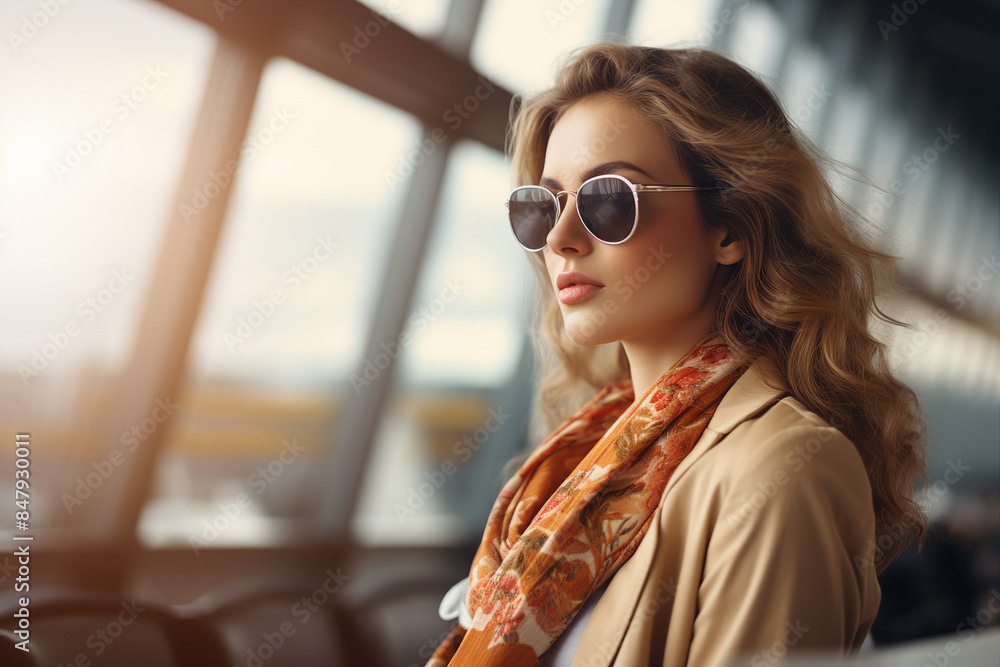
x=460 y=27
x=170 y=310
x=353 y=44
x=618 y=20
x=796 y=17
x=353 y=440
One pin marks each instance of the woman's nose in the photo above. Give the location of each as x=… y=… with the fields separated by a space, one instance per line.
x=568 y=235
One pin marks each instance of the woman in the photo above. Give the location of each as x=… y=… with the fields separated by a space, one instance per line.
x=746 y=466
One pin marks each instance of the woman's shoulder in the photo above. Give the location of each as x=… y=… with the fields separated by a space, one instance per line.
x=786 y=472
x=788 y=444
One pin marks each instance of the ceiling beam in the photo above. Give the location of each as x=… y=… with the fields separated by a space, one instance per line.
x=357 y=46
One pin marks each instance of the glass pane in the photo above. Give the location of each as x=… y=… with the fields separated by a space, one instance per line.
x=97 y=102
x=758 y=39
x=466 y=319
x=665 y=24
x=806 y=88
x=518 y=40
x=425 y=18
x=289 y=302
x=459 y=397
x=888 y=154
x=844 y=137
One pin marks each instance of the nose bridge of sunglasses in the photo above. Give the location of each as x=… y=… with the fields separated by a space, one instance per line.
x=562 y=199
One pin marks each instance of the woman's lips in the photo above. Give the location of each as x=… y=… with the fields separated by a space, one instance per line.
x=577 y=293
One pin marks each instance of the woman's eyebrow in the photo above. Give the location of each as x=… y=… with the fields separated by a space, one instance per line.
x=606 y=168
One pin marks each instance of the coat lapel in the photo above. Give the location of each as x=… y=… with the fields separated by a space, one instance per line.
x=606 y=627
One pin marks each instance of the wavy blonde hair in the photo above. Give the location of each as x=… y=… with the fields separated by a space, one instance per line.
x=804 y=290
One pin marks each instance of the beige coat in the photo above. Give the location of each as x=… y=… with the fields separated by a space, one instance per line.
x=762 y=544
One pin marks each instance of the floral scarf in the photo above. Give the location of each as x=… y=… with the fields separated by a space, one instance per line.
x=576 y=511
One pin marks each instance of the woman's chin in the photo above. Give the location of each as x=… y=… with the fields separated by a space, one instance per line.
x=589 y=336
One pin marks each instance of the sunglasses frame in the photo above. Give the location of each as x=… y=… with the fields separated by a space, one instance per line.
x=635 y=187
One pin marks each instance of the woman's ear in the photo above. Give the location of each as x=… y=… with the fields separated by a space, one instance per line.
x=728 y=250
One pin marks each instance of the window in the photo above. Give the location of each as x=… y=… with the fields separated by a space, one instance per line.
x=104 y=99
x=283 y=324
x=424 y=19
x=517 y=39
x=664 y=24
x=758 y=38
x=455 y=414
x=805 y=91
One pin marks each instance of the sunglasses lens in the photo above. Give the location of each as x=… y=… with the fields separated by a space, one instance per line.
x=532 y=215
x=607 y=208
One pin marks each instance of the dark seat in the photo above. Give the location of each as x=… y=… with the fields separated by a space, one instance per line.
x=278 y=624
x=109 y=631
x=393 y=620
x=386 y=620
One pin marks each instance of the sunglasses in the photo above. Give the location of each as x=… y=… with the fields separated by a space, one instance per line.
x=608 y=206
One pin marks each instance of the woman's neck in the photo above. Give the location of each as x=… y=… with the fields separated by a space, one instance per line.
x=651 y=358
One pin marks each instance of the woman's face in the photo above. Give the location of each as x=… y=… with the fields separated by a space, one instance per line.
x=661 y=280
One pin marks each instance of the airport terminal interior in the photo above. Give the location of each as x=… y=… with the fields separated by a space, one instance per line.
x=266 y=329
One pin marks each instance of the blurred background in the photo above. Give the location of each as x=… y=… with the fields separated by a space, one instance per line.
x=266 y=328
